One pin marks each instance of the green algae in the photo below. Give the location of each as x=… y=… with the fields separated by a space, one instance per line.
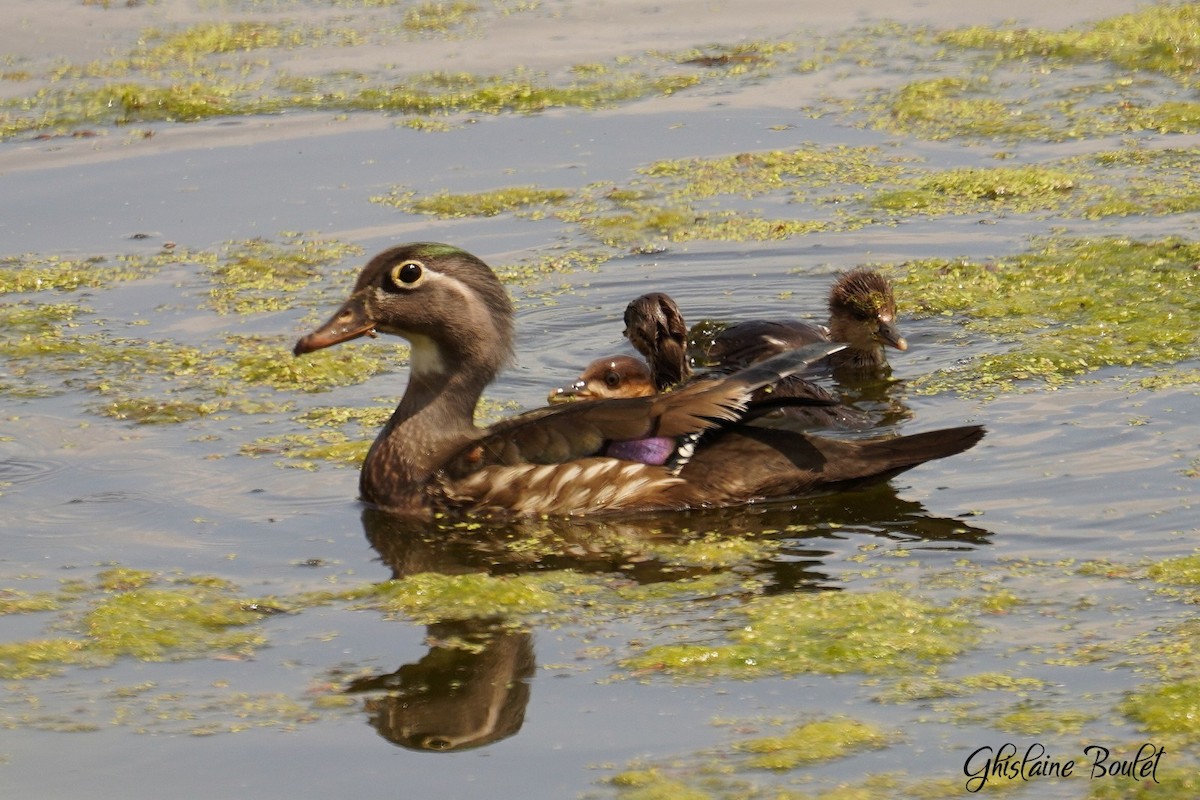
x=17 y=602
x=1068 y=309
x=813 y=742
x=307 y=449
x=1031 y=721
x=665 y=201
x=432 y=597
x=1157 y=38
x=800 y=171
x=959 y=191
x=830 y=632
x=32 y=273
x=1170 y=783
x=911 y=688
x=260 y=276
x=438 y=17
x=40 y=658
x=477 y=204
x=158 y=381
x=1007 y=96
x=651 y=784
x=1183 y=570
x=1167 y=709
x=155 y=624
x=946 y=108
x=137 y=614
x=519 y=92
x=720 y=551
x=124 y=579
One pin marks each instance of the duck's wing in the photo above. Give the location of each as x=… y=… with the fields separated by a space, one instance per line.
x=555 y=460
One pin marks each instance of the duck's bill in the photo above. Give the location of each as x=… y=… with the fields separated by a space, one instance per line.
x=350 y=322
x=567 y=394
x=891 y=336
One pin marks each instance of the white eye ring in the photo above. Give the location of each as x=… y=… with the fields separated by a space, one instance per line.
x=407 y=274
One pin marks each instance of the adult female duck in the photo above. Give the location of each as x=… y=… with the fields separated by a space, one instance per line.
x=683 y=449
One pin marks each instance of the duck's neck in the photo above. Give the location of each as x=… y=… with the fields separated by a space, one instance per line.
x=433 y=420
x=863 y=359
x=669 y=364
x=862 y=351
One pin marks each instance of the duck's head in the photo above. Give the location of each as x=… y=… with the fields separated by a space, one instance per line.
x=655 y=327
x=862 y=311
x=604 y=378
x=447 y=303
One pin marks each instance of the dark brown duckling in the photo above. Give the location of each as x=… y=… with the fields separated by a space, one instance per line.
x=606 y=378
x=862 y=315
x=654 y=326
x=431 y=457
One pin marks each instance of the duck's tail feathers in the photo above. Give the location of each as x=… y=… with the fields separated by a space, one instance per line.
x=888 y=457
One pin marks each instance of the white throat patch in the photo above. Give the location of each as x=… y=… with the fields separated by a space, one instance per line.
x=425 y=358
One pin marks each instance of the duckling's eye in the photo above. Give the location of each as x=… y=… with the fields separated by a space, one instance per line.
x=612 y=379
x=407 y=274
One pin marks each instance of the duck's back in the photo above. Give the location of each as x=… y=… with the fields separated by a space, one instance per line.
x=749 y=462
x=753 y=340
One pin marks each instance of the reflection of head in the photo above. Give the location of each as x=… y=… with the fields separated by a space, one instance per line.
x=469 y=690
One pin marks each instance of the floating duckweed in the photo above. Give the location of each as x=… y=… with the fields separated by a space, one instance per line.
x=124 y=579
x=719 y=551
x=436 y=93
x=651 y=784
x=52 y=273
x=210 y=38
x=959 y=191
x=799 y=170
x=812 y=742
x=14 y=602
x=1184 y=570
x=942 y=108
x=550 y=264
x=1073 y=307
x=158 y=624
x=38 y=317
x=431 y=597
x=479 y=204
x=145 y=411
x=1171 y=708
x=827 y=632
x=1041 y=722
x=438 y=17
x=1158 y=38
x=327 y=446
x=266 y=362
x=258 y=275
x=1170 y=783
x=40 y=657
x=927 y=687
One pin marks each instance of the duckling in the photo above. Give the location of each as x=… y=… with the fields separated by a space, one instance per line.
x=565 y=459
x=606 y=378
x=862 y=315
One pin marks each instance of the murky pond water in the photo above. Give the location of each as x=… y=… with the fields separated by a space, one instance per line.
x=192 y=599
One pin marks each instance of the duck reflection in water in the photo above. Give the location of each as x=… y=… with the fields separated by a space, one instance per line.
x=469 y=690
x=473 y=685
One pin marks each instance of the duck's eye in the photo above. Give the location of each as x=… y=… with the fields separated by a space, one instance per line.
x=407 y=274
x=612 y=379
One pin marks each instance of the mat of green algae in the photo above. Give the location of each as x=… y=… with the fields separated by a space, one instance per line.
x=922 y=637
